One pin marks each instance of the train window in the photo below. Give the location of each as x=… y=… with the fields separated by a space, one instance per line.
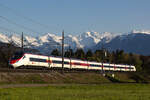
x=94 y=65
x=17 y=55
x=65 y=62
x=37 y=60
x=60 y=62
x=57 y=62
x=24 y=57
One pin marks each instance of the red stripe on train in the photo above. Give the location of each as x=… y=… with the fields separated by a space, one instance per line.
x=80 y=64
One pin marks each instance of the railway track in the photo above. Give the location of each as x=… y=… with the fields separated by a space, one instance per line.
x=23 y=70
x=10 y=70
x=52 y=70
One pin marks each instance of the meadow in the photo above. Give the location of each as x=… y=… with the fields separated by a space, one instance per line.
x=78 y=92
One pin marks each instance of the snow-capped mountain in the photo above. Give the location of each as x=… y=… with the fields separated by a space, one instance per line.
x=4 y=38
x=90 y=39
x=48 y=42
x=141 y=32
x=135 y=42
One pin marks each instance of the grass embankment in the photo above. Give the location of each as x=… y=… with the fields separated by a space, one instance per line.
x=79 y=92
x=73 y=78
x=52 y=78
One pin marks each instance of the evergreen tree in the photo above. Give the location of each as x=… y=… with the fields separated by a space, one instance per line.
x=98 y=55
x=6 y=52
x=112 y=57
x=69 y=53
x=80 y=54
x=55 y=52
x=137 y=62
x=126 y=58
x=120 y=56
x=89 y=55
x=145 y=63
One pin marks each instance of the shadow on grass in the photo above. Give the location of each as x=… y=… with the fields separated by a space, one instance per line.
x=112 y=79
x=139 y=78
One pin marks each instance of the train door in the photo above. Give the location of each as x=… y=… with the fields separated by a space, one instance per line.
x=49 y=62
x=88 y=65
x=70 y=63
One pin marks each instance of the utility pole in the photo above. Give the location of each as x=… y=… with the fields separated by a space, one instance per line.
x=103 y=52
x=22 y=45
x=69 y=52
x=63 y=51
x=70 y=56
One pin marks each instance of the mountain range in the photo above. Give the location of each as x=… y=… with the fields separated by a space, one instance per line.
x=134 y=42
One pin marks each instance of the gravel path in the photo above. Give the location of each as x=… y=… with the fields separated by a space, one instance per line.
x=38 y=85
x=24 y=85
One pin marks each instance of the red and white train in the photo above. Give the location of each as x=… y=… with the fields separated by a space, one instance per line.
x=27 y=60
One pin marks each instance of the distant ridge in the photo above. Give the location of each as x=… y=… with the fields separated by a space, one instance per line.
x=135 y=42
x=48 y=42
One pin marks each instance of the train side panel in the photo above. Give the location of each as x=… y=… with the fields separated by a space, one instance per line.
x=106 y=66
x=79 y=64
x=56 y=62
x=95 y=66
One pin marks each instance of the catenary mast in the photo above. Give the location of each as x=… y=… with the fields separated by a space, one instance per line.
x=62 y=51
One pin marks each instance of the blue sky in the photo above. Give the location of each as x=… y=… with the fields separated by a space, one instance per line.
x=74 y=16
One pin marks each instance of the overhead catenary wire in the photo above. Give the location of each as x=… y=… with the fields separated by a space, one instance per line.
x=18 y=25
x=24 y=17
x=10 y=30
x=7 y=29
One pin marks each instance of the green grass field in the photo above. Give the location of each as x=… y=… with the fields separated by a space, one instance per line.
x=79 y=92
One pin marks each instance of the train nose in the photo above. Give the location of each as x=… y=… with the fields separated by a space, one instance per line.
x=13 y=61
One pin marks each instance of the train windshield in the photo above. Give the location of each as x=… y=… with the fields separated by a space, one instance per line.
x=17 y=55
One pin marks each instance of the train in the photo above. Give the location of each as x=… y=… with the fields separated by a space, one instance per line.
x=22 y=59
